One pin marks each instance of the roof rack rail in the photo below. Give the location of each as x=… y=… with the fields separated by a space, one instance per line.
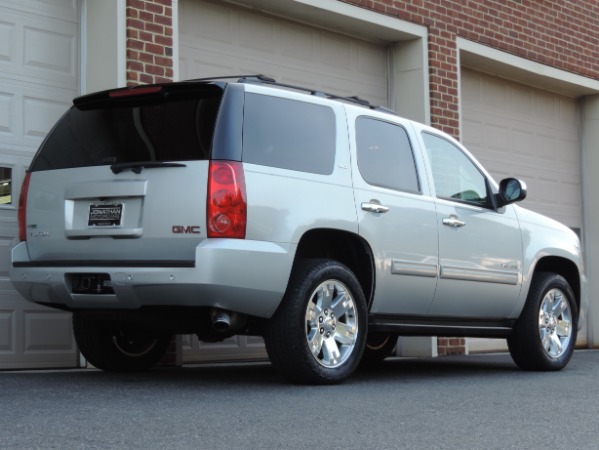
x=263 y=79
x=239 y=78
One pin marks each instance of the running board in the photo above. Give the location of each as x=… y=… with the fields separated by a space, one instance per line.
x=445 y=326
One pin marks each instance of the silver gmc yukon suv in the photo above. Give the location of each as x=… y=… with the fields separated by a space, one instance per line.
x=324 y=224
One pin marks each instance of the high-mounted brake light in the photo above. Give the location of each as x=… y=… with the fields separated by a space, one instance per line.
x=132 y=92
x=227 y=205
x=22 y=212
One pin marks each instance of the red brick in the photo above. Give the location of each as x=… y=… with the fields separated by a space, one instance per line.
x=135 y=23
x=155 y=8
x=154 y=48
x=135 y=4
x=154 y=28
x=147 y=16
x=135 y=44
x=166 y=41
x=153 y=69
x=144 y=78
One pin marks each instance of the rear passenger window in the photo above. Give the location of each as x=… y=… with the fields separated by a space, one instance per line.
x=288 y=134
x=385 y=156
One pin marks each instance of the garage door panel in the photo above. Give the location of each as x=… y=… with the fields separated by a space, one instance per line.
x=7 y=48
x=515 y=129
x=32 y=336
x=47 y=332
x=6 y=119
x=38 y=80
x=58 y=9
x=205 y=20
x=50 y=51
x=39 y=49
x=28 y=112
x=300 y=44
x=240 y=347
x=336 y=52
x=7 y=332
x=220 y=37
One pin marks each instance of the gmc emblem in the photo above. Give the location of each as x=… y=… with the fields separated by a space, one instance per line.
x=187 y=229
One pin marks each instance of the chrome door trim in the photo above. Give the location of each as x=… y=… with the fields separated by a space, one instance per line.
x=485 y=275
x=402 y=267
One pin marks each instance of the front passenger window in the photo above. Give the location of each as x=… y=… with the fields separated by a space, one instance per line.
x=455 y=176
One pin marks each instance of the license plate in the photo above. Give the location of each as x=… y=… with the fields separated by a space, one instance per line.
x=105 y=215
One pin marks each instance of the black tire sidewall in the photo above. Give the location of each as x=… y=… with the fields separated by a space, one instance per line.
x=525 y=343
x=285 y=334
x=94 y=338
x=375 y=354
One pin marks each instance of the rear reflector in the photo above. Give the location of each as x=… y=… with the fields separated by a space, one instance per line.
x=227 y=206
x=22 y=212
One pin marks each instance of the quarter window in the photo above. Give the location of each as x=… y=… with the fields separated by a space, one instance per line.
x=385 y=156
x=455 y=176
x=288 y=134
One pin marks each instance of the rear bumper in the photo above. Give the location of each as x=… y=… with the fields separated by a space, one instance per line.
x=244 y=276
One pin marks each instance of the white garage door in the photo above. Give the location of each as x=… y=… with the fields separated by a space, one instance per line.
x=530 y=133
x=38 y=78
x=219 y=39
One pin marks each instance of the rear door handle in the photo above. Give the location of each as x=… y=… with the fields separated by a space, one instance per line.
x=375 y=207
x=453 y=222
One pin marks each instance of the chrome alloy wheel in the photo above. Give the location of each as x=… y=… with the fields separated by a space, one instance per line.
x=331 y=324
x=555 y=323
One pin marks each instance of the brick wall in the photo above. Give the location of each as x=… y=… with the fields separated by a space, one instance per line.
x=149 y=41
x=450 y=346
x=561 y=34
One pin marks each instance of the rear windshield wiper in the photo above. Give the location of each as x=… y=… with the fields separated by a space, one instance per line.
x=136 y=167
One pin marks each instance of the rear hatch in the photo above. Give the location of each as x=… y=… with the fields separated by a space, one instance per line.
x=122 y=178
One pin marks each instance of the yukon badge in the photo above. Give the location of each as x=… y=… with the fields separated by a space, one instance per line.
x=185 y=229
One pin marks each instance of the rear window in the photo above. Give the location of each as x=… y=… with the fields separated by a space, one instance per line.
x=180 y=129
x=288 y=134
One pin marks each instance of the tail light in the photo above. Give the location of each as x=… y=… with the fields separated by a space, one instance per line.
x=22 y=214
x=227 y=206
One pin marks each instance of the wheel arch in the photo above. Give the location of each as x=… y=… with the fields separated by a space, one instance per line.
x=345 y=247
x=564 y=267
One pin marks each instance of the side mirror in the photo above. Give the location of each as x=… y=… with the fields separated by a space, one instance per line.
x=511 y=190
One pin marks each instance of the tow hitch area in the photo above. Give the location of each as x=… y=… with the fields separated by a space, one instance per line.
x=91 y=283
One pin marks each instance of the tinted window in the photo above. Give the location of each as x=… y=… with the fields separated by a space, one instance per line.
x=454 y=174
x=176 y=130
x=288 y=134
x=5 y=185
x=385 y=156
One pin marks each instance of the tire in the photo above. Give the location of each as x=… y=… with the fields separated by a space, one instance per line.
x=113 y=347
x=545 y=334
x=378 y=347
x=315 y=338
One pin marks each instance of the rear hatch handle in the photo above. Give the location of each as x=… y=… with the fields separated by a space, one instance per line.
x=136 y=167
